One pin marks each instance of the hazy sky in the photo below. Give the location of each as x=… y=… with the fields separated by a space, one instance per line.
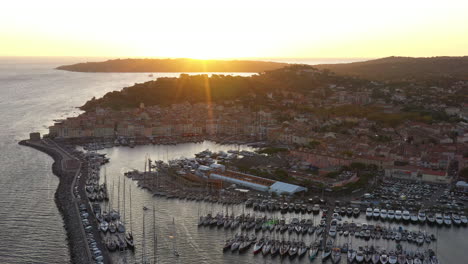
x=230 y=29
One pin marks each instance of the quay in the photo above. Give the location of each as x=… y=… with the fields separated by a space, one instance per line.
x=71 y=199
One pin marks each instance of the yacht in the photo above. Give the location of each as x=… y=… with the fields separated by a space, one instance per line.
x=384 y=258
x=391 y=215
x=356 y=211
x=383 y=214
x=405 y=215
x=376 y=213
x=369 y=212
x=456 y=219
x=414 y=217
x=463 y=219
x=398 y=215
x=422 y=216
x=439 y=219
x=431 y=218
x=447 y=219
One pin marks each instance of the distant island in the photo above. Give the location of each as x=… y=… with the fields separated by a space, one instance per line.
x=173 y=65
x=404 y=68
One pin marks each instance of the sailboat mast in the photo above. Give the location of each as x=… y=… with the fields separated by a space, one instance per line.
x=124 y=199
x=154 y=234
x=143 y=256
x=130 y=209
x=118 y=197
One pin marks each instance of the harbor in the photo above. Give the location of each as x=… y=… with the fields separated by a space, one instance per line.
x=152 y=215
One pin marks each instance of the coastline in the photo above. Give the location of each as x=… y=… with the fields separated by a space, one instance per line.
x=79 y=253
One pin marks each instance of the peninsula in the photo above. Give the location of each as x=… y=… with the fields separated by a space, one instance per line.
x=173 y=65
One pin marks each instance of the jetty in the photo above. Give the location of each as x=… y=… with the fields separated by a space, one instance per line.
x=71 y=201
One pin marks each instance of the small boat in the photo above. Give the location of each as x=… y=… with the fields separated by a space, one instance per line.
x=392 y=258
x=391 y=215
x=456 y=219
x=284 y=248
x=245 y=245
x=383 y=214
x=313 y=251
x=422 y=216
x=369 y=212
x=275 y=248
x=463 y=219
x=336 y=255
x=112 y=227
x=359 y=256
x=447 y=219
x=236 y=244
x=258 y=246
x=129 y=241
x=439 y=219
x=111 y=245
x=384 y=258
x=104 y=226
x=401 y=258
x=228 y=244
x=376 y=213
x=398 y=215
x=301 y=250
x=267 y=247
x=375 y=257
x=351 y=255
x=293 y=250
x=406 y=215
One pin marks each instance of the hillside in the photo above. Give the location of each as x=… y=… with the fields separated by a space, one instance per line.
x=173 y=65
x=404 y=68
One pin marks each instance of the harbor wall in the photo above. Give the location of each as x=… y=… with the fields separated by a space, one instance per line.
x=66 y=206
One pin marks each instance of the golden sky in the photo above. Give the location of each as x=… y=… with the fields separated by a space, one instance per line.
x=234 y=29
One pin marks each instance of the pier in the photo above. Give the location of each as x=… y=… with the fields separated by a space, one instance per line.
x=70 y=199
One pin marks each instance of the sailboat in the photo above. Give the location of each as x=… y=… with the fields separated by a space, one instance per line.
x=129 y=236
x=174 y=250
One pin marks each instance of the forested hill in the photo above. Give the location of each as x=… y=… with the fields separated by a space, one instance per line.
x=218 y=88
x=404 y=68
x=173 y=65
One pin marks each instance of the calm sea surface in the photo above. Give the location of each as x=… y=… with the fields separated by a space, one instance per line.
x=33 y=94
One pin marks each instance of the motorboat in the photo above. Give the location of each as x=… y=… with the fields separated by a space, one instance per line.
x=392 y=258
x=463 y=219
x=351 y=255
x=336 y=255
x=383 y=214
x=439 y=219
x=405 y=215
x=431 y=218
x=259 y=245
x=384 y=258
x=414 y=217
x=267 y=247
x=104 y=226
x=359 y=256
x=456 y=219
x=398 y=215
x=369 y=212
x=356 y=212
x=301 y=250
x=313 y=251
x=376 y=213
x=391 y=215
x=447 y=219
x=422 y=216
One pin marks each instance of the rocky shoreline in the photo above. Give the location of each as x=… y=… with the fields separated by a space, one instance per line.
x=65 y=204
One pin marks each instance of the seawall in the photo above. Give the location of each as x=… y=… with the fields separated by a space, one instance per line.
x=64 y=200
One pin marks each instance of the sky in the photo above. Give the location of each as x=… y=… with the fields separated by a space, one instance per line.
x=234 y=29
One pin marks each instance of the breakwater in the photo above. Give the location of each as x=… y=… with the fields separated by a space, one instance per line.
x=79 y=253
